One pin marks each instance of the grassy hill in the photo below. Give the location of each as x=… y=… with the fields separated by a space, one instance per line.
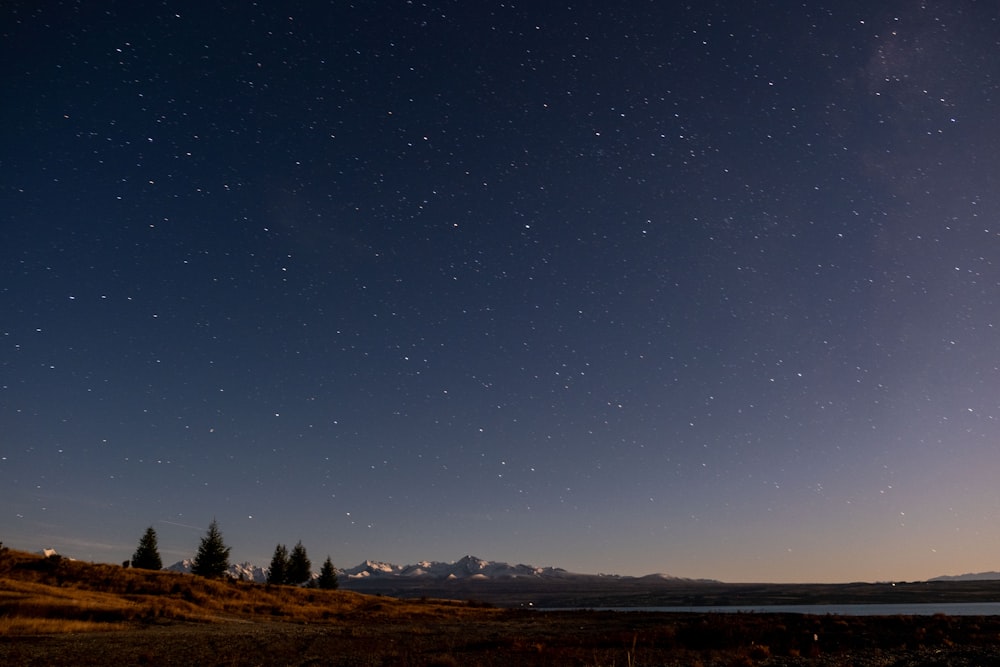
x=42 y=595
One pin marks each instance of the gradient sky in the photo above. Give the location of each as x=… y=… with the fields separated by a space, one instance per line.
x=709 y=290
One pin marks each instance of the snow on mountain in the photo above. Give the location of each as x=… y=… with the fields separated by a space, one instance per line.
x=242 y=571
x=468 y=567
x=182 y=566
x=248 y=572
x=371 y=568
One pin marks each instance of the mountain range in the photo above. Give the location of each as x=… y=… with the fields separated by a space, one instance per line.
x=244 y=571
x=470 y=568
x=467 y=568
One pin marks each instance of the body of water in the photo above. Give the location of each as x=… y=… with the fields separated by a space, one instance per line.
x=925 y=609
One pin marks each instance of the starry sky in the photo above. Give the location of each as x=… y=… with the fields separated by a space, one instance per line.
x=707 y=288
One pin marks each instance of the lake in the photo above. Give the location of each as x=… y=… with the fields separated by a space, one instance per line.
x=925 y=609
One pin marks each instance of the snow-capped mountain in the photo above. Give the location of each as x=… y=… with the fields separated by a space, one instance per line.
x=468 y=567
x=243 y=571
x=372 y=568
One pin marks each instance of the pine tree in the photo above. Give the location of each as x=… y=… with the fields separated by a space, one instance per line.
x=327 y=576
x=146 y=554
x=277 y=573
x=299 y=567
x=212 y=559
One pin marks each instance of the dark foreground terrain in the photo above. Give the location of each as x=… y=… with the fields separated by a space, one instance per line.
x=59 y=612
x=532 y=638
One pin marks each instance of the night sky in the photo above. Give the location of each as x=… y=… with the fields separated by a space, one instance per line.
x=710 y=290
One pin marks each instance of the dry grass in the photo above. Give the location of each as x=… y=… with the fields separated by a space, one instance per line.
x=51 y=595
x=19 y=625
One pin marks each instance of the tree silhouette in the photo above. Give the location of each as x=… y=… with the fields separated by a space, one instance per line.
x=299 y=567
x=146 y=554
x=277 y=573
x=327 y=576
x=212 y=559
